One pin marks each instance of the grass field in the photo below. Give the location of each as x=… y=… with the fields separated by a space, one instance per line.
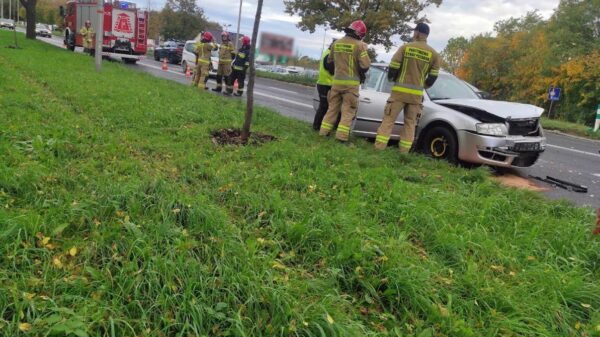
x=292 y=78
x=120 y=217
x=570 y=128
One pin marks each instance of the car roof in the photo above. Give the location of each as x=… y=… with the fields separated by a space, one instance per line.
x=385 y=65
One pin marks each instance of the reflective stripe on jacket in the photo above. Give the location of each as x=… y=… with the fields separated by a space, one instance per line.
x=203 y=50
x=349 y=56
x=241 y=61
x=225 y=52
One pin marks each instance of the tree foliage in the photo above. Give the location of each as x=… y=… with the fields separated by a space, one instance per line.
x=384 y=18
x=528 y=55
x=179 y=20
x=454 y=53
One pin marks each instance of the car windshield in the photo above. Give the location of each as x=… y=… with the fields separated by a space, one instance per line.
x=40 y=26
x=450 y=87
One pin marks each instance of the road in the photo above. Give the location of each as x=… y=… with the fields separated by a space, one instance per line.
x=568 y=158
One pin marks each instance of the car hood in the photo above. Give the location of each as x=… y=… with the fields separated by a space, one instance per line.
x=504 y=110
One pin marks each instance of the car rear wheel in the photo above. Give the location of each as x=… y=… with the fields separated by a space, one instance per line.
x=440 y=143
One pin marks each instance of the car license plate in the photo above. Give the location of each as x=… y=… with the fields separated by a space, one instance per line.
x=524 y=147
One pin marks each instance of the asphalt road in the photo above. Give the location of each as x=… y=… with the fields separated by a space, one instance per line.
x=567 y=158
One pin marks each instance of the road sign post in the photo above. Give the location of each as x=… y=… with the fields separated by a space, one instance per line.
x=99 y=34
x=597 y=125
x=553 y=95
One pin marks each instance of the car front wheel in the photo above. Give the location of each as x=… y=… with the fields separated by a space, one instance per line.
x=440 y=143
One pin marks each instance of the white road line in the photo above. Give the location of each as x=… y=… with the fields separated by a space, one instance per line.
x=288 y=91
x=573 y=150
x=159 y=68
x=282 y=99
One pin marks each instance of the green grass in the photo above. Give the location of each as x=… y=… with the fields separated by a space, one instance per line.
x=174 y=236
x=307 y=80
x=570 y=128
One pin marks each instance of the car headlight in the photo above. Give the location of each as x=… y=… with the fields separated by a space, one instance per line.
x=491 y=129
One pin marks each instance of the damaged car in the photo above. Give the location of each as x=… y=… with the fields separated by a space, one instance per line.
x=457 y=124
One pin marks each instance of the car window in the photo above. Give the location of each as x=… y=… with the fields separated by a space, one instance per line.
x=190 y=47
x=214 y=53
x=448 y=87
x=373 y=77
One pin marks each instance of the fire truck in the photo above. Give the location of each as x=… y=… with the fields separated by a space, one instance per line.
x=124 y=31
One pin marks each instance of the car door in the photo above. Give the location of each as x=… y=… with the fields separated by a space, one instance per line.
x=373 y=97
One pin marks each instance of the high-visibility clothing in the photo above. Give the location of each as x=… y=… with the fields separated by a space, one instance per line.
x=344 y=100
x=87 y=37
x=325 y=78
x=413 y=62
x=204 y=50
x=226 y=52
x=392 y=109
x=350 y=58
x=241 y=61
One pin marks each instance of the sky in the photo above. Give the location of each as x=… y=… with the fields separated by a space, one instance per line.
x=451 y=19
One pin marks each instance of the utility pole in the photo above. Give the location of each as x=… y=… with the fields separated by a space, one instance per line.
x=324 y=36
x=99 y=33
x=10 y=9
x=1 y=9
x=237 y=37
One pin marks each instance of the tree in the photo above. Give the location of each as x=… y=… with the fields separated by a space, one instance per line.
x=183 y=19
x=454 y=53
x=526 y=23
x=384 y=18
x=30 y=7
x=250 y=99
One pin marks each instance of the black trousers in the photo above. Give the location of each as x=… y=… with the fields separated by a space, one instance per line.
x=323 y=91
x=240 y=76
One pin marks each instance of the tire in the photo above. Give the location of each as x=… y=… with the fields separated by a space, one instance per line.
x=129 y=61
x=156 y=58
x=440 y=143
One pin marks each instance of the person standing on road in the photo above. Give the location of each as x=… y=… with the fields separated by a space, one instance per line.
x=240 y=65
x=203 y=52
x=324 y=83
x=87 y=37
x=351 y=61
x=226 y=53
x=414 y=66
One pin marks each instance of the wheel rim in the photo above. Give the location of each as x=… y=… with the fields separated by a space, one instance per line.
x=438 y=147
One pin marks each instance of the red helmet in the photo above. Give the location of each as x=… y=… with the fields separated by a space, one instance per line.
x=207 y=36
x=245 y=41
x=359 y=28
x=225 y=36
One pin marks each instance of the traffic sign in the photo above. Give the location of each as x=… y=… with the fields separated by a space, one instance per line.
x=554 y=94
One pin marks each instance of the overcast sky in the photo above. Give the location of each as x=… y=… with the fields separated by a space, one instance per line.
x=453 y=18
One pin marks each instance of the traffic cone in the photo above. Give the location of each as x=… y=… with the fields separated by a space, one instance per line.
x=165 y=66
x=188 y=72
x=235 y=85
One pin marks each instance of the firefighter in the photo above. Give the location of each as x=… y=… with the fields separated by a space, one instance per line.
x=324 y=83
x=351 y=62
x=414 y=66
x=87 y=36
x=240 y=65
x=203 y=63
x=226 y=53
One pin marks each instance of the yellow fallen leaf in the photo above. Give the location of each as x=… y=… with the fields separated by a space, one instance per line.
x=531 y=258
x=50 y=246
x=598 y=327
x=176 y=210
x=126 y=218
x=278 y=265
x=73 y=251
x=24 y=327
x=28 y=296
x=57 y=262
x=45 y=240
x=577 y=325
x=512 y=273
x=329 y=319
x=585 y=305
x=120 y=214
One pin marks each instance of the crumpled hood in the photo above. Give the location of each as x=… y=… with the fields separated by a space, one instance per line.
x=501 y=109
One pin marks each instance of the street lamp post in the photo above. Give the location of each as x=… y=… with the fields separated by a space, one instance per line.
x=237 y=36
x=324 y=36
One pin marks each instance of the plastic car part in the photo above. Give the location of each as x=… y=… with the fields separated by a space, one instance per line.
x=562 y=184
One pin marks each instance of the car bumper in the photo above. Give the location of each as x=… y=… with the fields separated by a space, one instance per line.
x=509 y=151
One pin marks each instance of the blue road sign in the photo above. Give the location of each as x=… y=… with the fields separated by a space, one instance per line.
x=554 y=94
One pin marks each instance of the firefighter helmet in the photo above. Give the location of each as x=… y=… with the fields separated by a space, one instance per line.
x=245 y=41
x=359 y=28
x=207 y=36
x=225 y=36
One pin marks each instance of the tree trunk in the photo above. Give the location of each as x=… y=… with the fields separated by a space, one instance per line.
x=250 y=98
x=30 y=15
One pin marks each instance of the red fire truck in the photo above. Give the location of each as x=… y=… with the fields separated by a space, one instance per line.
x=124 y=31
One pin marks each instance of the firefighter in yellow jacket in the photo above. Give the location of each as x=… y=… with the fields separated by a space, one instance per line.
x=415 y=66
x=351 y=61
x=226 y=53
x=87 y=37
x=203 y=51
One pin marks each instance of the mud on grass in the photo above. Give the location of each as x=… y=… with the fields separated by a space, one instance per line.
x=234 y=137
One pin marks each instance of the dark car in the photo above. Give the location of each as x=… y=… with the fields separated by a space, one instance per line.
x=170 y=50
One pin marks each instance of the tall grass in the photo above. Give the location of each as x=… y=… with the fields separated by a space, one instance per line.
x=120 y=217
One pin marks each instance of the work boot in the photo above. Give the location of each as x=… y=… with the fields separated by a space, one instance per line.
x=217 y=89
x=239 y=93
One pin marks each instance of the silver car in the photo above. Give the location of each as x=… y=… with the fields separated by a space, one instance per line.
x=456 y=124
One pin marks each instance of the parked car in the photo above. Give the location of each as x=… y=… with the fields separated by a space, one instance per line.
x=42 y=30
x=7 y=23
x=189 y=58
x=171 y=50
x=456 y=124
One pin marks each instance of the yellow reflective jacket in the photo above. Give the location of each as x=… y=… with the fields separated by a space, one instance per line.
x=325 y=78
x=203 y=50
x=414 y=61
x=87 y=36
x=349 y=56
x=226 y=51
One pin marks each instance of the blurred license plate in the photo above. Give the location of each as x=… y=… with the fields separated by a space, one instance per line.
x=526 y=147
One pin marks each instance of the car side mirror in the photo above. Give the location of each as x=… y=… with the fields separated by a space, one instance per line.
x=485 y=95
x=61 y=11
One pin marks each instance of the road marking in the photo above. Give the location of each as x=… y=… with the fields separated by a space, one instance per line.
x=573 y=150
x=596 y=175
x=288 y=91
x=159 y=68
x=282 y=99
